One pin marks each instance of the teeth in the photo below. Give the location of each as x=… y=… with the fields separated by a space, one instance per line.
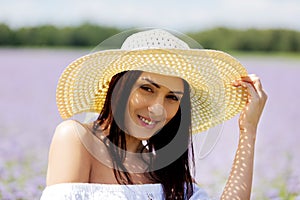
x=147 y=121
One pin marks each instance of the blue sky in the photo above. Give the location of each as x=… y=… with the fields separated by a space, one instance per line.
x=179 y=15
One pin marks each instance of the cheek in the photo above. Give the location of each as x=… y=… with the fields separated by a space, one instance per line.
x=171 y=111
x=136 y=101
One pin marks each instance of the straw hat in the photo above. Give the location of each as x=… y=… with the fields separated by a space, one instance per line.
x=83 y=85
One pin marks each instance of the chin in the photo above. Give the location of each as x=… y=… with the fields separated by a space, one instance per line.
x=142 y=133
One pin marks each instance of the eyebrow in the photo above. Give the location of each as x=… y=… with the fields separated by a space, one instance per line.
x=158 y=86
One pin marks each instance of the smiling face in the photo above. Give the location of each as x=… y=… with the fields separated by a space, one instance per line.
x=153 y=102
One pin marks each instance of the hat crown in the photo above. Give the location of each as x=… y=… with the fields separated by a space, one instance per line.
x=153 y=39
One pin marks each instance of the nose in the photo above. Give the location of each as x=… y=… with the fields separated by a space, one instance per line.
x=157 y=112
x=156 y=105
x=156 y=109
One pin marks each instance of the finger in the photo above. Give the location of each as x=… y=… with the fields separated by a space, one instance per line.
x=258 y=86
x=251 y=78
x=251 y=90
x=254 y=80
x=248 y=79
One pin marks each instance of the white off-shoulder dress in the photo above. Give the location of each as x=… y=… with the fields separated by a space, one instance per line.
x=90 y=191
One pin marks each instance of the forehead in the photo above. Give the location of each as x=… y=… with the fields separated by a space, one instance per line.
x=171 y=82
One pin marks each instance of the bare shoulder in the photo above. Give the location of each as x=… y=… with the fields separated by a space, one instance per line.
x=68 y=130
x=66 y=136
x=68 y=161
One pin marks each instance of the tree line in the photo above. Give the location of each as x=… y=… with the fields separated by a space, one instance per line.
x=90 y=35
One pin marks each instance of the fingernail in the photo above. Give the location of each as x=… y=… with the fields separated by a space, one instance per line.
x=235 y=83
x=244 y=85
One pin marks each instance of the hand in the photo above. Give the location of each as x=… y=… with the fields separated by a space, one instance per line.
x=257 y=98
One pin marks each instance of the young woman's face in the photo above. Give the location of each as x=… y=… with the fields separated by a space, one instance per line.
x=153 y=102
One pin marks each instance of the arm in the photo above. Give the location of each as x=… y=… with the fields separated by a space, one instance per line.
x=239 y=183
x=68 y=159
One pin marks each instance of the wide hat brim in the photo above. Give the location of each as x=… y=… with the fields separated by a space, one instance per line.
x=83 y=85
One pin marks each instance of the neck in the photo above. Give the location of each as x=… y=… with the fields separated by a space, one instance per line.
x=133 y=144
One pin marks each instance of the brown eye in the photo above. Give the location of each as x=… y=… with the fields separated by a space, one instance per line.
x=173 y=97
x=146 y=88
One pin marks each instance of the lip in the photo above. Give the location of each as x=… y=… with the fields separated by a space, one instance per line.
x=143 y=123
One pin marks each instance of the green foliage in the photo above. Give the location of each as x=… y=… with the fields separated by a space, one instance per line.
x=91 y=35
x=48 y=35
x=249 y=40
x=5 y=35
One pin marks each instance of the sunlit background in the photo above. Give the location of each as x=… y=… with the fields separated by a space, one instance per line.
x=181 y=15
x=38 y=39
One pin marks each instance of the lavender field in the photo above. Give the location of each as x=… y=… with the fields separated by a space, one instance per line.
x=28 y=117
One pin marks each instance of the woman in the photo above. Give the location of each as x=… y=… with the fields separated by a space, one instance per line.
x=152 y=94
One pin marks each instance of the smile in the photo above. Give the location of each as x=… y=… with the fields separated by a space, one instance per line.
x=147 y=121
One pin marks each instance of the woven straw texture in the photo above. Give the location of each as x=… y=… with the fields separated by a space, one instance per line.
x=83 y=85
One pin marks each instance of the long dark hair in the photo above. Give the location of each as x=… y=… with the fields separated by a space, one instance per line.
x=175 y=177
